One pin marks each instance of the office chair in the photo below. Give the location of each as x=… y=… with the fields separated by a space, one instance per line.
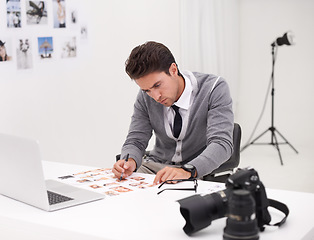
x=226 y=169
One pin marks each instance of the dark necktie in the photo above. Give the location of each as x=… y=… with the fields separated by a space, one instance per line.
x=177 y=124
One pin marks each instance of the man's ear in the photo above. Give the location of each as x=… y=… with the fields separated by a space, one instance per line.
x=173 y=70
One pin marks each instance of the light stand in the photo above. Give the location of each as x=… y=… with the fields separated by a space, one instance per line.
x=286 y=39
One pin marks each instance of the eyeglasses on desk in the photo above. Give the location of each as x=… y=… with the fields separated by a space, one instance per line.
x=172 y=181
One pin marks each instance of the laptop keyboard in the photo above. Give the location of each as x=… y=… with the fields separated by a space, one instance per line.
x=55 y=198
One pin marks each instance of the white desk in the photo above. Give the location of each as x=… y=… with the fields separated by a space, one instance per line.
x=136 y=215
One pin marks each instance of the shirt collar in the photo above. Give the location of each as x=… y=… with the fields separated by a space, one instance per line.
x=184 y=100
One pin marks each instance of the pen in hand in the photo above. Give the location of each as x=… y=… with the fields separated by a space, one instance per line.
x=126 y=160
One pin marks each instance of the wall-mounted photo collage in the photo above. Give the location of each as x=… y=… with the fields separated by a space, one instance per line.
x=36 y=31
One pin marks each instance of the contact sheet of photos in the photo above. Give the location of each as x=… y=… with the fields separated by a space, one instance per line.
x=103 y=181
x=19 y=45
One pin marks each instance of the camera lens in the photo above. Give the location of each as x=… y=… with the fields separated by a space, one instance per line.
x=241 y=221
x=200 y=211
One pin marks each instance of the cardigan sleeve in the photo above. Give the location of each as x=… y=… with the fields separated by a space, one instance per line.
x=140 y=132
x=219 y=130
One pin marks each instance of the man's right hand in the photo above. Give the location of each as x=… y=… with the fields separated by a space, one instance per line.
x=127 y=168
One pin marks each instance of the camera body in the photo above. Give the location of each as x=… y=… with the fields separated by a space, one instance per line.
x=248 y=179
x=199 y=211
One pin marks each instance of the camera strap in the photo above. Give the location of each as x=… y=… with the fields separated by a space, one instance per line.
x=281 y=207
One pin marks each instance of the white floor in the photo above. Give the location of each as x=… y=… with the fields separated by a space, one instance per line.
x=296 y=173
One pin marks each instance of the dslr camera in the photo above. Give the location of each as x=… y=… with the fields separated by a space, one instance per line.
x=243 y=199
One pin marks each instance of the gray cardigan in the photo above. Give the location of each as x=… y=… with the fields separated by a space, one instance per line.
x=207 y=142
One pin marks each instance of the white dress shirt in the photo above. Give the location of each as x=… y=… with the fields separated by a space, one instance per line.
x=184 y=102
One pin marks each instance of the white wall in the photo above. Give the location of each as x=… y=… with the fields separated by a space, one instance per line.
x=210 y=39
x=79 y=110
x=261 y=22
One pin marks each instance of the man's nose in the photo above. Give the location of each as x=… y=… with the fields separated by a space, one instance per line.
x=155 y=94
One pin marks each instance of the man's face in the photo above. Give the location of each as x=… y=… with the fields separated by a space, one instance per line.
x=163 y=88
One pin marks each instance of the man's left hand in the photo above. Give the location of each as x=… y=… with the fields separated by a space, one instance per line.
x=170 y=173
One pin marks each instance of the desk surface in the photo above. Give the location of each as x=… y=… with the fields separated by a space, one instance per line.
x=136 y=215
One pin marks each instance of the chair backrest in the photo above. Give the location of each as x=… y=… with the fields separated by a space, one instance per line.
x=232 y=162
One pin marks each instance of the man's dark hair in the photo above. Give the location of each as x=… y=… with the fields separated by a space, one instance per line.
x=148 y=58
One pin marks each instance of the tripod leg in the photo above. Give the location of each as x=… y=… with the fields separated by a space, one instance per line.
x=286 y=141
x=277 y=146
x=252 y=142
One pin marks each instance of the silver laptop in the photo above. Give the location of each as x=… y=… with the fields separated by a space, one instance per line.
x=22 y=178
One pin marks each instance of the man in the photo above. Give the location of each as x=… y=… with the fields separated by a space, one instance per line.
x=188 y=145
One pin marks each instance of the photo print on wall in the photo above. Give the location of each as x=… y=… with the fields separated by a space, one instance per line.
x=36 y=12
x=59 y=16
x=24 y=56
x=45 y=47
x=13 y=13
x=5 y=50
